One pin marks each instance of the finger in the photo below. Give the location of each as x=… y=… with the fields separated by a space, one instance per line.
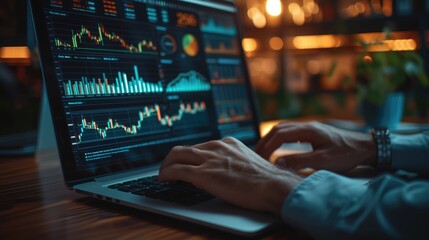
x=274 y=142
x=232 y=142
x=273 y=130
x=211 y=145
x=302 y=160
x=183 y=155
x=174 y=172
x=297 y=133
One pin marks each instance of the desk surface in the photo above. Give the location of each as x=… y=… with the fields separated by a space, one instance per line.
x=34 y=203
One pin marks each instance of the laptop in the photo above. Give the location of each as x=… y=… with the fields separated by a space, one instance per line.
x=127 y=80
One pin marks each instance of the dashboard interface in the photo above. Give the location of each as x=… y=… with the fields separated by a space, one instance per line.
x=137 y=77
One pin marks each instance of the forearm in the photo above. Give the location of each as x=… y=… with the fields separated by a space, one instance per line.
x=327 y=205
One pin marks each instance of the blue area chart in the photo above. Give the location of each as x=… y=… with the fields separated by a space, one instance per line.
x=210 y=26
x=191 y=81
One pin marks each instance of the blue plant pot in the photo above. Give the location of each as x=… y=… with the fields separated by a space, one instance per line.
x=389 y=114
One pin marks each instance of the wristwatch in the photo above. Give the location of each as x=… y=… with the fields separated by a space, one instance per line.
x=384 y=151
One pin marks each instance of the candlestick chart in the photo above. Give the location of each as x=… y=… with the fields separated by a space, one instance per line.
x=147 y=120
x=98 y=36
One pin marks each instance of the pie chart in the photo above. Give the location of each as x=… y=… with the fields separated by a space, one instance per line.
x=190 y=45
x=168 y=44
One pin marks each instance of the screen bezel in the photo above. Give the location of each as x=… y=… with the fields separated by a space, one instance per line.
x=71 y=175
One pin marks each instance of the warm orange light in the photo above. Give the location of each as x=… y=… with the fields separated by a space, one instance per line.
x=311 y=7
x=394 y=45
x=259 y=20
x=367 y=59
x=252 y=12
x=274 y=7
x=14 y=53
x=249 y=44
x=351 y=11
x=359 y=7
x=387 y=8
x=316 y=41
x=305 y=13
x=276 y=43
x=299 y=18
x=294 y=8
x=376 y=6
x=266 y=126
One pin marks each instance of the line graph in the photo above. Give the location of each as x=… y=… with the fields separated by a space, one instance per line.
x=97 y=36
x=148 y=120
x=191 y=81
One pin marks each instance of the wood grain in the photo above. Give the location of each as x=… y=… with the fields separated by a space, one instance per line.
x=35 y=204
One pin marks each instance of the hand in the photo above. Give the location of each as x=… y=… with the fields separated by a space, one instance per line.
x=231 y=171
x=333 y=149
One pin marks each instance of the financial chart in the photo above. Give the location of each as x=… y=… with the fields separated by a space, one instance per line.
x=132 y=76
x=95 y=35
x=230 y=90
x=104 y=78
x=138 y=121
x=137 y=77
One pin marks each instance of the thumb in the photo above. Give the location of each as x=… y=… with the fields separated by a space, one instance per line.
x=299 y=161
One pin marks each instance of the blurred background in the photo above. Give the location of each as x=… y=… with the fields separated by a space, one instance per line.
x=301 y=54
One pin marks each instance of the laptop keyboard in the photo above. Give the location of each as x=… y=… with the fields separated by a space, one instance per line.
x=178 y=192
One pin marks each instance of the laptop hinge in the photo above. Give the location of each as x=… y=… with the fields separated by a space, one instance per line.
x=125 y=173
x=128 y=173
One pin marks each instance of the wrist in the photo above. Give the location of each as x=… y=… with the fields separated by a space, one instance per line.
x=369 y=147
x=381 y=137
x=278 y=190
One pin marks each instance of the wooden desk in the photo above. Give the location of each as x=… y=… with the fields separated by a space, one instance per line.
x=34 y=203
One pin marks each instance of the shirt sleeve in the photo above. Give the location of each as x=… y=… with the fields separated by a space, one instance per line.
x=330 y=206
x=411 y=152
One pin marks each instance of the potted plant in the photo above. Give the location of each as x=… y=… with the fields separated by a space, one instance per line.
x=382 y=78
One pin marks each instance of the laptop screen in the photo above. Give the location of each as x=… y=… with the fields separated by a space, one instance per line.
x=127 y=80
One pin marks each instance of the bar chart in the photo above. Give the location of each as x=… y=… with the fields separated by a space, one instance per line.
x=120 y=84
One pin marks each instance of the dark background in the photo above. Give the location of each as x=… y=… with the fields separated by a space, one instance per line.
x=289 y=82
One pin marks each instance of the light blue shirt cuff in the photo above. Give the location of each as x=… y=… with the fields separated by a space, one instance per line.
x=330 y=206
x=314 y=204
x=411 y=152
